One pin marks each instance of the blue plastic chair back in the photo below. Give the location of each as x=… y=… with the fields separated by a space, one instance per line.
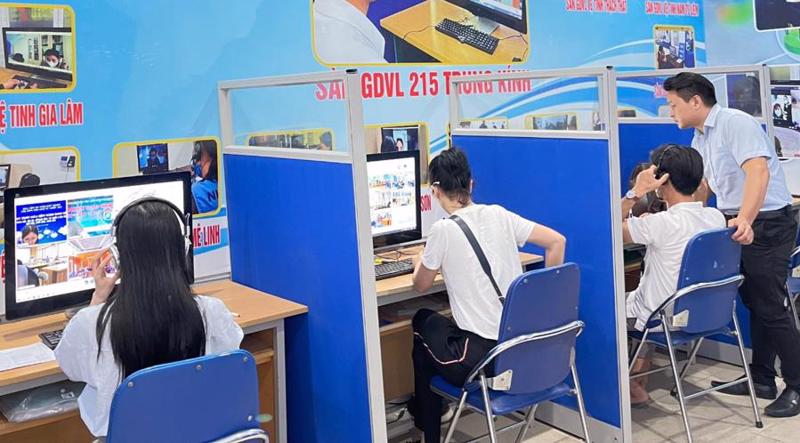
x=709 y=256
x=199 y=399
x=538 y=301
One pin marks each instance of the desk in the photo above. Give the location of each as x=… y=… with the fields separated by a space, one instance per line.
x=8 y=74
x=261 y=317
x=396 y=338
x=404 y=26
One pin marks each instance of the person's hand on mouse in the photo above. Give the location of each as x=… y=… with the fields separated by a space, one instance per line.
x=11 y=83
x=103 y=284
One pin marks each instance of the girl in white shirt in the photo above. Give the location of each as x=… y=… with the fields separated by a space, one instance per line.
x=452 y=347
x=150 y=319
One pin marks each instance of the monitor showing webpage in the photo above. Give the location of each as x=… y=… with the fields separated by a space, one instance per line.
x=43 y=50
x=392 y=195
x=58 y=237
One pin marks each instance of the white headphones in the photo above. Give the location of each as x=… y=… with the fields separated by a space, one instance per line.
x=185 y=220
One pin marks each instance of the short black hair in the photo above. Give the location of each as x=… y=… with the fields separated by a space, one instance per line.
x=52 y=52
x=689 y=84
x=450 y=171
x=683 y=164
x=210 y=148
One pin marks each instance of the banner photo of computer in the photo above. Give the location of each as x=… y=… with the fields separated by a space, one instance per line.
x=198 y=155
x=38 y=50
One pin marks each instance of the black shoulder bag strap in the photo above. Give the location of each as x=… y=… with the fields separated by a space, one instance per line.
x=479 y=252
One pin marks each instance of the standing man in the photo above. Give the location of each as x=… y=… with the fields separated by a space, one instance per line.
x=741 y=168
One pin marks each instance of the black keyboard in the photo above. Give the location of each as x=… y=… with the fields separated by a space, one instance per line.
x=28 y=82
x=51 y=338
x=466 y=34
x=393 y=268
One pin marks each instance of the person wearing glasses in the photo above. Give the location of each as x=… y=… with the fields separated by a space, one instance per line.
x=741 y=168
x=674 y=175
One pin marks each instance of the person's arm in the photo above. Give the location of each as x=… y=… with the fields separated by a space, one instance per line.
x=223 y=333
x=553 y=242
x=646 y=181
x=422 y=277
x=756 y=180
x=76 y=351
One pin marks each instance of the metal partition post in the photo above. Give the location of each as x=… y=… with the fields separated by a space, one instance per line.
x=766 y=102
x=357 y=158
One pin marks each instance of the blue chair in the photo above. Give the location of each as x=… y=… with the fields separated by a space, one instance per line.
x=793 y=283
x=210 y=398
x=534 y=356
x=703 y=305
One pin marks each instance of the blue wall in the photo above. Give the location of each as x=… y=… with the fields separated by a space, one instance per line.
x=292 y=227
x=529 y=177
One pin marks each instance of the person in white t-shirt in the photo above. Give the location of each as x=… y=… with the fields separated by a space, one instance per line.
x=344 y=35
x=452 y=348
x=151 y=318
x=675 y=175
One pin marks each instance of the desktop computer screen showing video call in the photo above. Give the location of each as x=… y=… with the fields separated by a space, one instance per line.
x=58 y=237
x=786 y=118
x=508 y=7
x=29 y=50
x=392 y=195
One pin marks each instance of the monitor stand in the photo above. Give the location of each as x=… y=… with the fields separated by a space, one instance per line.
x=483 y=24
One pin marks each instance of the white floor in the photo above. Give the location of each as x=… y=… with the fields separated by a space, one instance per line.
x=714 y=418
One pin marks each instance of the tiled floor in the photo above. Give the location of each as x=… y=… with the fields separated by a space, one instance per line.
x=714 y=418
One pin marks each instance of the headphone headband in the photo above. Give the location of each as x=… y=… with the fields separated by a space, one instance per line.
x=659 y=170
x=181 y=216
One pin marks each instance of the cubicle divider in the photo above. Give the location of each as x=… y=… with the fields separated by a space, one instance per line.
x=299 y=229
x=568 y=180
x=638 y=136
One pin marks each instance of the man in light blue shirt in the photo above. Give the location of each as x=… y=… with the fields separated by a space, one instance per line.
x=741 y=168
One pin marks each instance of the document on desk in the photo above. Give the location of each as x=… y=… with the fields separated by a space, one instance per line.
x=25 y=356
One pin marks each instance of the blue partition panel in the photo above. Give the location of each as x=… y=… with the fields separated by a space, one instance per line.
x=636 y=140
x=293 y=234
x=564 y=184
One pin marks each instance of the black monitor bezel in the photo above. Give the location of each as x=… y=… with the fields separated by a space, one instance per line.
x=31 y=308
x=483 y=11
x=37 y=71
x=794 y=84
x=397 y=238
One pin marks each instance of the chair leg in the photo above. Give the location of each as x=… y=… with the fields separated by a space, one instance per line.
x=528 y=420
x=452 y=427
x=487 y=404
x=678 y=384
x=581 y=405
x=746 y=366
x=637 y=351
x=793 y=309
x=685 y=369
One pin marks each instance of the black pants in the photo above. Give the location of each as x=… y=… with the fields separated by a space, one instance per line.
x=440 y=348
x=765 y=265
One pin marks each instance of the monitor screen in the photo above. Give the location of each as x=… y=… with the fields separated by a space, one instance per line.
x=511 y=8
x=404 y=139
x=786 y=119
x=5 y=174
x=394 y=195
x=551 y=122
x=153 y=158
x=58 y=231
x=44 y=51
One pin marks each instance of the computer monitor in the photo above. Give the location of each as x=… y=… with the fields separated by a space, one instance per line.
x=153 y=158
x=28 y=47
x=511 y=13
x=394 y=196
x=785 y=110
x=551 y=122
x=5 y=175
x=54 y=233
x=405 y=138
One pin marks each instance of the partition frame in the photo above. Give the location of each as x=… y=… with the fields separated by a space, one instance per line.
x=764 y=82
x=553 y=413
x=356 y=157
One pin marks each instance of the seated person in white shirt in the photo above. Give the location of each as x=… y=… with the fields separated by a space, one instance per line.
x=151 y=318
x=452 y=347
x=675 y=175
